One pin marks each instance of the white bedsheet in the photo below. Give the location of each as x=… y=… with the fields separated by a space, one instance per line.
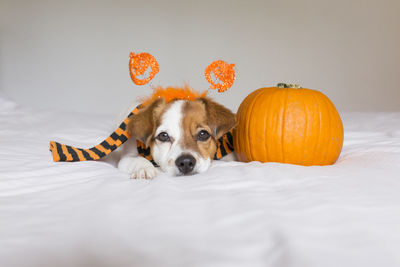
x=236 y=214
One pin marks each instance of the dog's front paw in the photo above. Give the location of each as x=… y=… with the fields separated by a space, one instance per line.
x=148 y=172
x=138 y=167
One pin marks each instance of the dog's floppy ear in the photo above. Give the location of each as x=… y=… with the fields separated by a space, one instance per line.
x=143 y=124
x=220 y=119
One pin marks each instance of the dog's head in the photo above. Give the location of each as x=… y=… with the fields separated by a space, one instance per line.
x=182 y=134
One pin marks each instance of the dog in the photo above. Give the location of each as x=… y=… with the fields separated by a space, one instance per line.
x=182 y=136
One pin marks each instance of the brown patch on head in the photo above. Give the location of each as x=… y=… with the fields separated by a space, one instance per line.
x=194 y=120
x=205 y=114
x=143 y=125
x=219 y=118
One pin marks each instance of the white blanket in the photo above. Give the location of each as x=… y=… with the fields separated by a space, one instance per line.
x=235 y=214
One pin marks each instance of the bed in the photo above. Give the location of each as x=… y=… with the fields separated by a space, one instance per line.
x=235 y=214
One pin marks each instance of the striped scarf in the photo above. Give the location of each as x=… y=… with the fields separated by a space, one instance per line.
x=63 y=152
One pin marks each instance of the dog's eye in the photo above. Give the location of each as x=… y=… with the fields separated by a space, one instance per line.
x=203 y=135
x=163 y=137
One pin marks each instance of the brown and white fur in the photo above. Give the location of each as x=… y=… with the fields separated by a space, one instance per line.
x=181 y=134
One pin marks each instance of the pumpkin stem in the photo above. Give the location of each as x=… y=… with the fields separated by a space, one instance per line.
x=288 y=85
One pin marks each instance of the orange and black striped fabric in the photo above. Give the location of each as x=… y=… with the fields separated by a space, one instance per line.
x=224 y=145
x=63 y=152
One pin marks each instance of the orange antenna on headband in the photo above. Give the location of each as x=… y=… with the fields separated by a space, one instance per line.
x=223 y=72
x=138 y=65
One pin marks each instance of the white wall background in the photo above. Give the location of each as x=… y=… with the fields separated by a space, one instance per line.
x=73 y=55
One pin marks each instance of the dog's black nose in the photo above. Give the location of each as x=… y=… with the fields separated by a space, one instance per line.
x=185 y=163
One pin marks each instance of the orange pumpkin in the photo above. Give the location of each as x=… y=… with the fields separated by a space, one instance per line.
x=288 y=124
